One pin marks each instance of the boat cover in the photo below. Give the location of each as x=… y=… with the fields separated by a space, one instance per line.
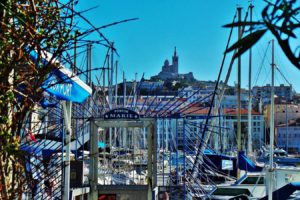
x=246 y=164
x=284 y=192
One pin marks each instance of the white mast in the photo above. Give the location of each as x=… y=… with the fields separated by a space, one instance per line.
x=270 y=180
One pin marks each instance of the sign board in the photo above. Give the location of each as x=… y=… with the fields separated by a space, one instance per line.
x=121 y=113
x=65 y=86
x=61 y=82
x=227 y=165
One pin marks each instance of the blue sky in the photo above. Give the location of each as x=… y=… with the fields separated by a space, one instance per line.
x=193 y=26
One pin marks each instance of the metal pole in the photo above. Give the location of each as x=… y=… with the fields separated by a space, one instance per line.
x=89 y=65
x=67 y=106
x=184 y=160
x=150 y=161
x=286 y=126
x=94 y=160
x=116 y=86
x=124 y=90
x=249 y=94
x=108 y=84
x=104 y=102
x=134 y=86
x=111 y=73
x=75 y=54
x=270 y=185
x=239 y=134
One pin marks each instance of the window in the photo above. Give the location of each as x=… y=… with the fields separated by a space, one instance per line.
x=253 y=180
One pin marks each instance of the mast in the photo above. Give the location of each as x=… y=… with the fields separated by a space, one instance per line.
x=270 y=180
x=103 y=76
x=134 y=89
x=108 y=83
x=75 y=54
x=116 y=86
x=89 y=65
x=124 y=90
x=249 y=144
x=239 y=135
x=111 y=74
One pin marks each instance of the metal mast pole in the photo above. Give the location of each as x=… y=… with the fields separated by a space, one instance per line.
x=270 y=185
x=103 y=76
x=108 y=84
x=75 y=54
x=249 y=146
x=111 y=74
x=124 y=90
x=116 y=86
x=67 y=109
x=134 y=93
x=239 y=135
x=89 y=64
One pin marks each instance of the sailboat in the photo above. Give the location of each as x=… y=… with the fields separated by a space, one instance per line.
x=274 y=182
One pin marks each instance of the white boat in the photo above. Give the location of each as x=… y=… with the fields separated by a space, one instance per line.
x=253 y=185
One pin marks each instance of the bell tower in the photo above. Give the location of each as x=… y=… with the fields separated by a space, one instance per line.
x=175 y=62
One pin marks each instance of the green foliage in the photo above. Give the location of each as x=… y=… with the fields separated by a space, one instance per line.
x=26 y=26
x=281 y=19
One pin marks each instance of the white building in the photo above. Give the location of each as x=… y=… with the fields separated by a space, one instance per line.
x=229 y=121
x=196 y=93
x=288 y=137
x=230 y=101
x=264 y=92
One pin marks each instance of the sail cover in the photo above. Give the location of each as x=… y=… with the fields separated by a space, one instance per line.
x=246 y=164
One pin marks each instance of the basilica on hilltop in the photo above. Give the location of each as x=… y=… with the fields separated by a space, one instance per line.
x=170 y=71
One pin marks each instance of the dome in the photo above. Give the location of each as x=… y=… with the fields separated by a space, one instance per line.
x=166 y=63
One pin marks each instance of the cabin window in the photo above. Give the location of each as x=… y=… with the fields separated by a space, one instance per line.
x=253 y=180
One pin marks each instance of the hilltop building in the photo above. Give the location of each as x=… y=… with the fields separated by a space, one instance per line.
x=170 y=71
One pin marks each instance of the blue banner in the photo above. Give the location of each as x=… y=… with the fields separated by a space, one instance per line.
x=61 y=83
x=65 y=86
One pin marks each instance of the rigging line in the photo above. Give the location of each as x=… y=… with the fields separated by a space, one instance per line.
x=267 y=77
x=279 y=60
x=204 y=136
x=94 y=101
x=261 y=64
x=149 y=107
x=200 y=125
x=172 y=100
x=283 y=75
x=138 y=91
x=81 y=112
x=130 y=97
x=135 y=92
x=146 y=100
x=184 y=101
x=209 y=165
x=186 y=107
x=200 y=108
x=198 y=139
x=194 y=103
